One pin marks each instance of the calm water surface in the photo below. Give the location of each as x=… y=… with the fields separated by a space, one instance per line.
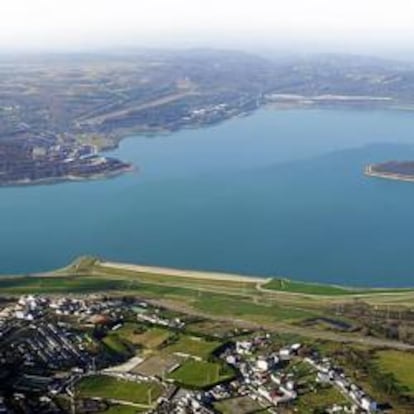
x=276 y=193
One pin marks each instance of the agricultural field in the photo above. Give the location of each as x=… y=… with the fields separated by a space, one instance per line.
x=194 y=346
x=220 y=330
x=106 y=387
x=255 y=309
x=123 y=409
x=400 y=365
x=321 y=398
x=116 y=345
x=148 y=338
x=158 y=364
x=239 y=405
x=200 y=374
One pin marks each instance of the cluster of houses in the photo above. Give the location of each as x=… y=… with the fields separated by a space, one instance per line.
x=265 y=379
x=327 y=373
x=51 y=346
x=263 y=368
x=184 y=402
x=208 y=110
x=83 y=308
x=155 y=319
x=88 y=310
x=261 y=374
x=30 y=307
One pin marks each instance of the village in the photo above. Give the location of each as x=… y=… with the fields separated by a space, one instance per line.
x=93 y=354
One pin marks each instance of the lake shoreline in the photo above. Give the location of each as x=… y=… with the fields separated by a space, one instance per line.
x=69 y=178
x=252 y=196
x=75 y=269
x=369 y=171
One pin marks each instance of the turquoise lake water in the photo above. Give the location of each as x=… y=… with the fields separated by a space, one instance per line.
x=276 y=193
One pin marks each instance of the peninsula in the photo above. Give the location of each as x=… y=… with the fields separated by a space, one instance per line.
x=392 y=170
x=49 y=160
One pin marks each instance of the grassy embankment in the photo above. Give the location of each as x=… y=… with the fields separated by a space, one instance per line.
x=292 y=286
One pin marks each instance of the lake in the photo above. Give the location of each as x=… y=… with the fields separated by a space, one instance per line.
x=276 y=193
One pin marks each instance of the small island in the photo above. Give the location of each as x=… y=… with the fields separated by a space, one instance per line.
x=392 y=170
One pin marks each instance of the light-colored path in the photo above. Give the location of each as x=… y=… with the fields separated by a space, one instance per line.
x=183 y=273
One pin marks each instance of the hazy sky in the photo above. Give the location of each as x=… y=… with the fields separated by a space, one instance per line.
x=53 y=24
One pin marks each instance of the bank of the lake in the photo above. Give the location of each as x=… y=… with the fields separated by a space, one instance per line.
x=276 y=193
x=372 y=171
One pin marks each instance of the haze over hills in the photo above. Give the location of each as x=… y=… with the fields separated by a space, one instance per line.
x=59 y=106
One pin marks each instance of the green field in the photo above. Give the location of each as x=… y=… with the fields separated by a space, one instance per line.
x=123 y=409
x=112 y=388
x=193 y=346
x=260 y=310
x=218 y=329
x=150 y=338
x=400 y=365
x=199 y=374
x=239 y=405
x=116 y=345
x=321 y=399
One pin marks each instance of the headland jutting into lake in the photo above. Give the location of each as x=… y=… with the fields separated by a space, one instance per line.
x=46 y=161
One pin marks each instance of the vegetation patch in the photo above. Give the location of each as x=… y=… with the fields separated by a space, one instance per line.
x=149 y=338
x=250 y=309
x=116 y=345
x=111 y=388
x=200 y=374
x=216 y=329
x=400 y=365
x=158 y=364
x=123 y=409
x=239 y=405
x=320 y=399
x=193 y=346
